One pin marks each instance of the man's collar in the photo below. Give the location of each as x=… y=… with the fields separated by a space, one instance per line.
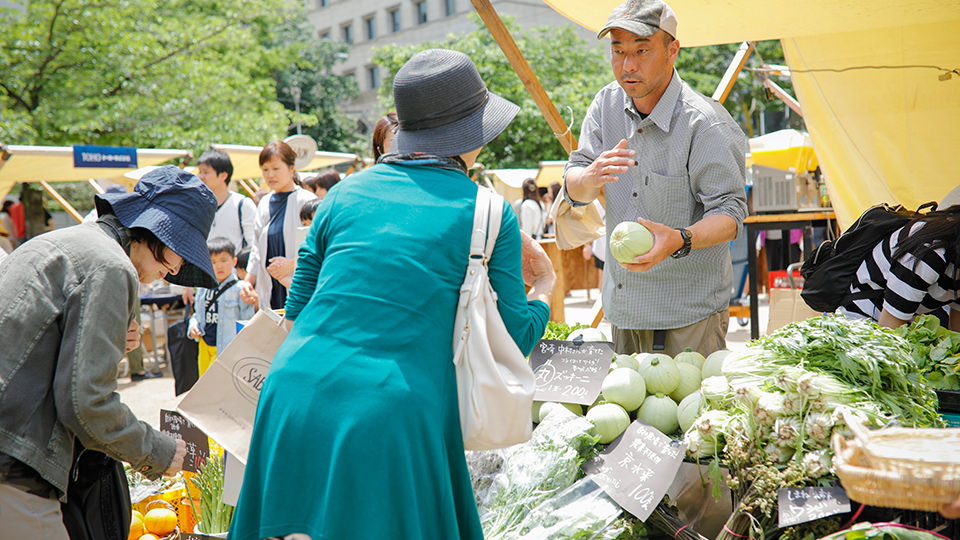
x=662 y=112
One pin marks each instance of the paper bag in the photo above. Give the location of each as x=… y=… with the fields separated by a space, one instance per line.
x=575 y=226
x=223 y=402
x=786 y=306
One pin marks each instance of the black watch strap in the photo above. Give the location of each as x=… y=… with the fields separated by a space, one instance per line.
x=685 y=250
x=571 y=202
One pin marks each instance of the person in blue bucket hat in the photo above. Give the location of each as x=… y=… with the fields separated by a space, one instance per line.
x=68 y=300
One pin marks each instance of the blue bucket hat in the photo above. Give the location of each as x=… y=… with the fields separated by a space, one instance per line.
x=178 y=209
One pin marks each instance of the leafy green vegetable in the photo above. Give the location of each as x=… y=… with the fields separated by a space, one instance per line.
x=872 y=359
x=936 y=349
x=560 y=330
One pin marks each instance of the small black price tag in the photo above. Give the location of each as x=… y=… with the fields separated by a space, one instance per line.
x=637 y=468
x=198 y=447
x=799 y=505
x=570 y=371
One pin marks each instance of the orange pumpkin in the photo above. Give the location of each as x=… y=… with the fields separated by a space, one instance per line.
x=160 y=521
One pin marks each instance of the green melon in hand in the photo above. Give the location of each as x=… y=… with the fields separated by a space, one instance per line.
x=629 y=240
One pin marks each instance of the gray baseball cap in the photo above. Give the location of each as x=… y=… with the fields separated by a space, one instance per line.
x=642 y=17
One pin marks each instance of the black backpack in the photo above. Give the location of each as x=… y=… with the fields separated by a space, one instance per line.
x=827 y=274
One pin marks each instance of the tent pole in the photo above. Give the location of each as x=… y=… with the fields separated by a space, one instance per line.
x=63 y=202
x=526 y=74
x=781 y=94
x=246 y=186
x=734 y=69
x=95 y=185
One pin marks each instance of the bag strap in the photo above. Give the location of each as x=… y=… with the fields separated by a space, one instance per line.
x=243 y=238
x=478 y=235
x=220 y=290
x=487 y=218
x=493 y=225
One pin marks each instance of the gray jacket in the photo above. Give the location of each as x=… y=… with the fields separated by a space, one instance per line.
x=66 y=300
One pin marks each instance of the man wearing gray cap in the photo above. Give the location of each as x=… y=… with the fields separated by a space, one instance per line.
x=673 y=160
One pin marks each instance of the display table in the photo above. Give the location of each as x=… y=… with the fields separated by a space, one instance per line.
x=752 y=227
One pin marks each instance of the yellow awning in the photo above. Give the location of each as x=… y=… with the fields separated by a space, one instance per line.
x=787 y=149
x=885 y=127
x=55 y=164
x=246 y=162
x=550 y=172
x=733 y=21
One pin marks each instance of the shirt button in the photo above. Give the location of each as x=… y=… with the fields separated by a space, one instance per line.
x=640 y=130
x=634 y=193
x=619 y=285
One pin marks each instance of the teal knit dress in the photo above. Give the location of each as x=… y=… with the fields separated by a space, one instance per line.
x=357 y=433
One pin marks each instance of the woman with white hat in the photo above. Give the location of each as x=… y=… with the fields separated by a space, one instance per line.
x=358 y=428
x=68 y=300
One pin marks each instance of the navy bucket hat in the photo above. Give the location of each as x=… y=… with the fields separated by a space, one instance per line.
x=178 y=209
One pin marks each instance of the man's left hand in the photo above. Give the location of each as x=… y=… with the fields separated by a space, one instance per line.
x=666 y=240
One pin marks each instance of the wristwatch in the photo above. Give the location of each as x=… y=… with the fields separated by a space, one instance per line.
x=685 y=250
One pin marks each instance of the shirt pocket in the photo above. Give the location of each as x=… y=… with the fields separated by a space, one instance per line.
x=667 y=199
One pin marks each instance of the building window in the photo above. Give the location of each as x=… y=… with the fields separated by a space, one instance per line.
x=324 y=3
x=373 y=77
x=451 y=7
x=394 y=19
x=351 y=74
x=370 y=27
x=324 y=34
x=347 y=31
x=421 y=12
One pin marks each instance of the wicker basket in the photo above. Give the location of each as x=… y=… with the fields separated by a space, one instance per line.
x=914 y=469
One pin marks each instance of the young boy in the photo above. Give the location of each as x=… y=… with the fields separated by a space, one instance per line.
x=214 y=323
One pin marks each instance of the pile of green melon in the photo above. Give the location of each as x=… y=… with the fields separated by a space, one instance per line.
x=662 y=391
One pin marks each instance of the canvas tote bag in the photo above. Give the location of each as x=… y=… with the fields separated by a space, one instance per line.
x=576 y=226
x=223 y=403
x=494 y=381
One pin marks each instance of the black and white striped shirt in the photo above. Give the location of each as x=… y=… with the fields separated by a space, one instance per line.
x=909 y=288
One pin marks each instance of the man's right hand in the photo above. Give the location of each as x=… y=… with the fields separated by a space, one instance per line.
x=584 y=184
x=187 y=296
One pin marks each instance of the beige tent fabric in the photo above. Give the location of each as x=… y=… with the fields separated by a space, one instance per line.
x=882 y=134
x=55 y=164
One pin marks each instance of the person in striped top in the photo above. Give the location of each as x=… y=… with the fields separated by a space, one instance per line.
x=916 y=270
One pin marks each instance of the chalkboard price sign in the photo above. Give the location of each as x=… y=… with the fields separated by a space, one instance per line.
x=799 y=505
x=637 y=468
x=198 y=447
x=570 y=371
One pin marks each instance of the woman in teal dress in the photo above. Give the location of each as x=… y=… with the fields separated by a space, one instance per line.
x=358 y=431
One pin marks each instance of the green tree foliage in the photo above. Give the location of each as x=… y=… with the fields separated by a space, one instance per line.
x=570 y=70
x=178 y=73
x=703 y=67
x=321 y=92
